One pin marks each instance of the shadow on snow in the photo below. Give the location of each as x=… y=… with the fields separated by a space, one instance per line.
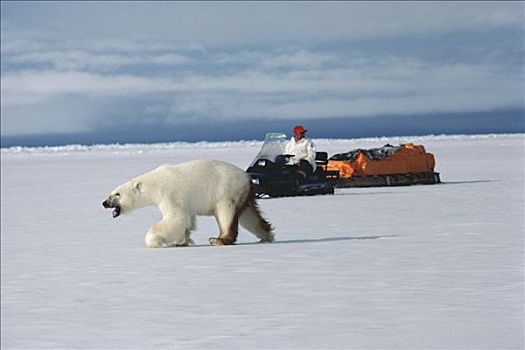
x=321 y=240
x=299 y=241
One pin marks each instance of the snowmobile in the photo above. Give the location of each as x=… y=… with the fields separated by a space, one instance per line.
x=273 y=176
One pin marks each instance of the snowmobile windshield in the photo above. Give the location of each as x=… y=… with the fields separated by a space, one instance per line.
x=274 y=145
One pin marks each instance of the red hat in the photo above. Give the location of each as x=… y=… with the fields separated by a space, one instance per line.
x=299 y=129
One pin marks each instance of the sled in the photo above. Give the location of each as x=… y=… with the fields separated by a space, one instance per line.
x=402 y=165
x=272 y=176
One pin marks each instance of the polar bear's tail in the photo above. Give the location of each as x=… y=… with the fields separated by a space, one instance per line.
x=252 y=220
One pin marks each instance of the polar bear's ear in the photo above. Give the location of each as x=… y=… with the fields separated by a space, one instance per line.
x=137 y=186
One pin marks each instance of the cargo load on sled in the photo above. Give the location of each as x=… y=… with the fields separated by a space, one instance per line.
x=406 y=164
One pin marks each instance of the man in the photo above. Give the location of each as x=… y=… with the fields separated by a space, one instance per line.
x=303 y=151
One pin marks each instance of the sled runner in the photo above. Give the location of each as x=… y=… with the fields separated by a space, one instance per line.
x=272 y=176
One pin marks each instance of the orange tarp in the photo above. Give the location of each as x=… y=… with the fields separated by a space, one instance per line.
x=409 y=159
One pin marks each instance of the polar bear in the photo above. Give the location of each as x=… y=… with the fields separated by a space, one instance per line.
x=187 y=190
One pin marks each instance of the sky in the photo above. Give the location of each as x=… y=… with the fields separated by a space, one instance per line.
x=106 y=72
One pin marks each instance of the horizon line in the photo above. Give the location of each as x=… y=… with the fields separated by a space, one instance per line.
x=230 y=143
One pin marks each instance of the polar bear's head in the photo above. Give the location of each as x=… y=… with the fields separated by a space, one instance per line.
x=125 y=198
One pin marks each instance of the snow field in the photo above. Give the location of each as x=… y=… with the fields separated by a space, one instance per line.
x=438 y=266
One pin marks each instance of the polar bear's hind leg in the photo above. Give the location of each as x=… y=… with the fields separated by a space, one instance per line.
x=248 y=215
x=227 y=216
x=252 y=220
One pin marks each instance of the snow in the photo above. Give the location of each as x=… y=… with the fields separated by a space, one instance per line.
x=433 y=266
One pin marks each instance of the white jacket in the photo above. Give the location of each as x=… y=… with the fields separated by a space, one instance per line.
x=302 y=149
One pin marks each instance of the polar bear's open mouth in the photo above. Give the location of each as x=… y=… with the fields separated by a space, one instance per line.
x=116 y=211
x=108 y=203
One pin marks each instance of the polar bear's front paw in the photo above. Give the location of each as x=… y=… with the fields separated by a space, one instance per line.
x=185 y=243
x=154 y=241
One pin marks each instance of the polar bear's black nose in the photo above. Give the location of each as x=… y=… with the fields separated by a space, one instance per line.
x=106 y=204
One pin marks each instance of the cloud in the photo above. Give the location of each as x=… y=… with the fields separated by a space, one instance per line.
x=169 y=63
x=392 y=85
x=242 y=23
x=80 y=60
x=29 y=87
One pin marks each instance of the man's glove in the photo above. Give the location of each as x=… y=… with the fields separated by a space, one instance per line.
x=290 y=159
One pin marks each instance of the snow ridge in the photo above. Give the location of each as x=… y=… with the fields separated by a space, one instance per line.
x=139 y=148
